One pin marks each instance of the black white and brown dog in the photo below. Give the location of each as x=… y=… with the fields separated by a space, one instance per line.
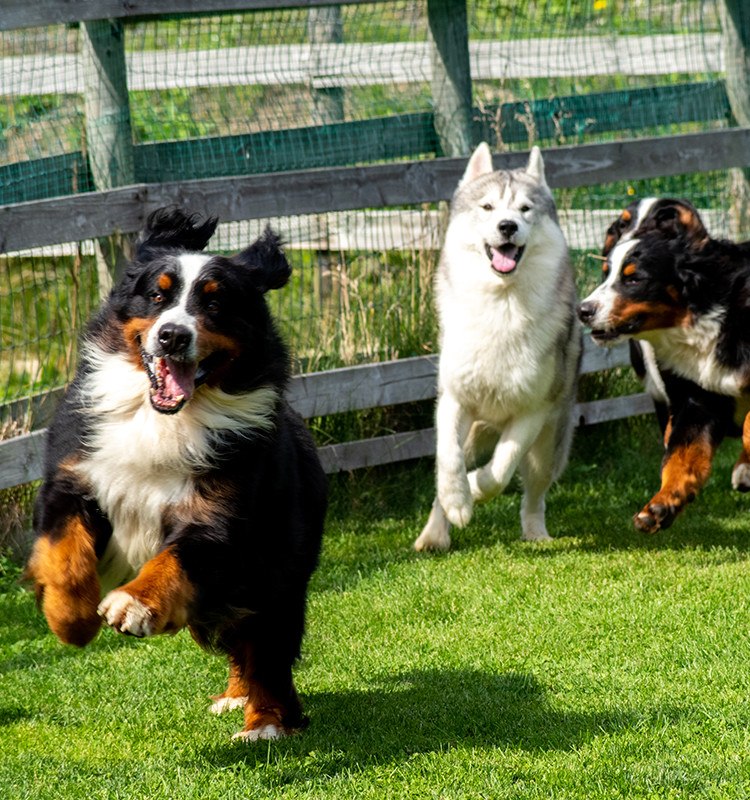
x=178 y=482
x=680 y=292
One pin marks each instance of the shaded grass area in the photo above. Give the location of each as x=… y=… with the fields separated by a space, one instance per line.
x=602 y=664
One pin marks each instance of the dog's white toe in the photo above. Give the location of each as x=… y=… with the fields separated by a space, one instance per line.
x=264 y=732
x=126 y=614
x=741 y=478
x=227 y=704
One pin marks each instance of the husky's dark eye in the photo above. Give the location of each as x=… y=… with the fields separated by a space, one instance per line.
x=525 y=208
x=487 y=206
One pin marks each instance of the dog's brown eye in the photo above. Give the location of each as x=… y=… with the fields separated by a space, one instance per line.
x=487 y=206
x=524 y=209
x=157 y=297
x=212 y=307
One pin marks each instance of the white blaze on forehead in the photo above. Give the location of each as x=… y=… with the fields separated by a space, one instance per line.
x=642 y=212
x=191 y=265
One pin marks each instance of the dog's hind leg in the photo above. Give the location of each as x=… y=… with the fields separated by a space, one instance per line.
x=539 y=466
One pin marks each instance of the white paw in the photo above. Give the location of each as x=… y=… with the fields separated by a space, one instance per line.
x=535 y=533
x=126 y=614
x=264 y=732
x=456 y=501
x=227 y=704
x=741 y=478
x=431 y=539
x=482 y=485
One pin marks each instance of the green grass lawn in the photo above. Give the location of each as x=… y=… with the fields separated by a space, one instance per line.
x=603 y=664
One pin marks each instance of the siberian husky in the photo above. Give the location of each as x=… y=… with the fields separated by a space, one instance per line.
x=510 y=347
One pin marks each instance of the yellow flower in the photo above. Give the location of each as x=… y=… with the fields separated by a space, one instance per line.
x=599 y=5
x=631 y=190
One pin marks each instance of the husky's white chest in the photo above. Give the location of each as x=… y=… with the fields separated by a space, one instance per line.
x=496 y=356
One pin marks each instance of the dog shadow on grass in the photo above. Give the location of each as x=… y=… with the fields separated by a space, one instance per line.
x=428 y=711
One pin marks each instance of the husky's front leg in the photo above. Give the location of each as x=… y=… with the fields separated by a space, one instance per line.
x=453 y=426
x=516 y=439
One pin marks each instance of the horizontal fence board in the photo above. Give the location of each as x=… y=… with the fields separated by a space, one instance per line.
x=94 y=214
x=24 y=14
x=22 y=459
x=418 y=444
x=328 y=66
x=381 y=139
x=356 y=388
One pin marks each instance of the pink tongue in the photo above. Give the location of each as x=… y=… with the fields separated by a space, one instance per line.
x=500 y=262
x=179 y=379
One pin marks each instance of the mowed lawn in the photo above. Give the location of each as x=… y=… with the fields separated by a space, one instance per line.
x=603 y=664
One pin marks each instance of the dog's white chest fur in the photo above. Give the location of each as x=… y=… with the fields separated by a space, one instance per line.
x=498 y=346
x=139 y=463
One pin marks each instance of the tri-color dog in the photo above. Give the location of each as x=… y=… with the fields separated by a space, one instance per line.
x=678 y=290
x=178 y=482
x=510 y=347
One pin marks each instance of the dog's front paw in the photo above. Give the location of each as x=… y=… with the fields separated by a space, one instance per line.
x=655 y=517
x=741 y=477
x=126 y=614
x=270 y=731
x=454 y=496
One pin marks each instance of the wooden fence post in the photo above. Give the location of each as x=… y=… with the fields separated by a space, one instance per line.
x=735 y=22
x=108 y=131
x=451 y=75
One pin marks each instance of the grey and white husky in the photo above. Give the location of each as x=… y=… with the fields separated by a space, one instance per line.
x=510 y=347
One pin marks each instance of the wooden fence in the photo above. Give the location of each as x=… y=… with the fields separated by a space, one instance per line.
x=123 y=209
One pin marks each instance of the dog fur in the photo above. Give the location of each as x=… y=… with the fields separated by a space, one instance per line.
x=510 y=347
x=178 y=482
x=694 y=417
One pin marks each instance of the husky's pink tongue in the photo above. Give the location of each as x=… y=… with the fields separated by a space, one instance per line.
x=500 y=262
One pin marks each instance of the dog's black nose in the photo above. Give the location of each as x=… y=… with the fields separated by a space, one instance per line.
x=586 y=312
x=507 y=227
x=174 y=338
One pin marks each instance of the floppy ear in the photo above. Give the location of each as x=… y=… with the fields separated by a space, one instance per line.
x=172 y=227
x=696 y=284
x=535 y=167
x=479 y=164
x=682 y=218
x=265 y=262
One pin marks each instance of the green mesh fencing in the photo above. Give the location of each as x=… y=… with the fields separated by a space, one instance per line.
x=265 y=91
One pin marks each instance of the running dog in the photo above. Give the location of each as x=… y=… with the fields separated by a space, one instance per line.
x=661 y=262
x=510 y=347
x=178 y=482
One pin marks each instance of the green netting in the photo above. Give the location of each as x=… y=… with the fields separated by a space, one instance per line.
x=251 y=92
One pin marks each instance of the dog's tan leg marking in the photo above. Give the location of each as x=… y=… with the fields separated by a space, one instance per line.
x=156 y=601
x=436 y=533
x=453 y=427
x=273 y=708
x=64 y=574
x=236 y=694
x=684 y=473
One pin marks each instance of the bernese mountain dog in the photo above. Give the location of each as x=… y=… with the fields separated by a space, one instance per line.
x=179 y=485
x=668 y=282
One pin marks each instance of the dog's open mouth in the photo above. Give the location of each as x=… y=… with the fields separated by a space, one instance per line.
x=504 y=259
x=174 y=381
x=607 y=336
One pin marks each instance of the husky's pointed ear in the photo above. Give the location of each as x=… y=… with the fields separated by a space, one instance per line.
x=172 y=227
x=535 y=167
x=265 y=263
x=479 y=164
